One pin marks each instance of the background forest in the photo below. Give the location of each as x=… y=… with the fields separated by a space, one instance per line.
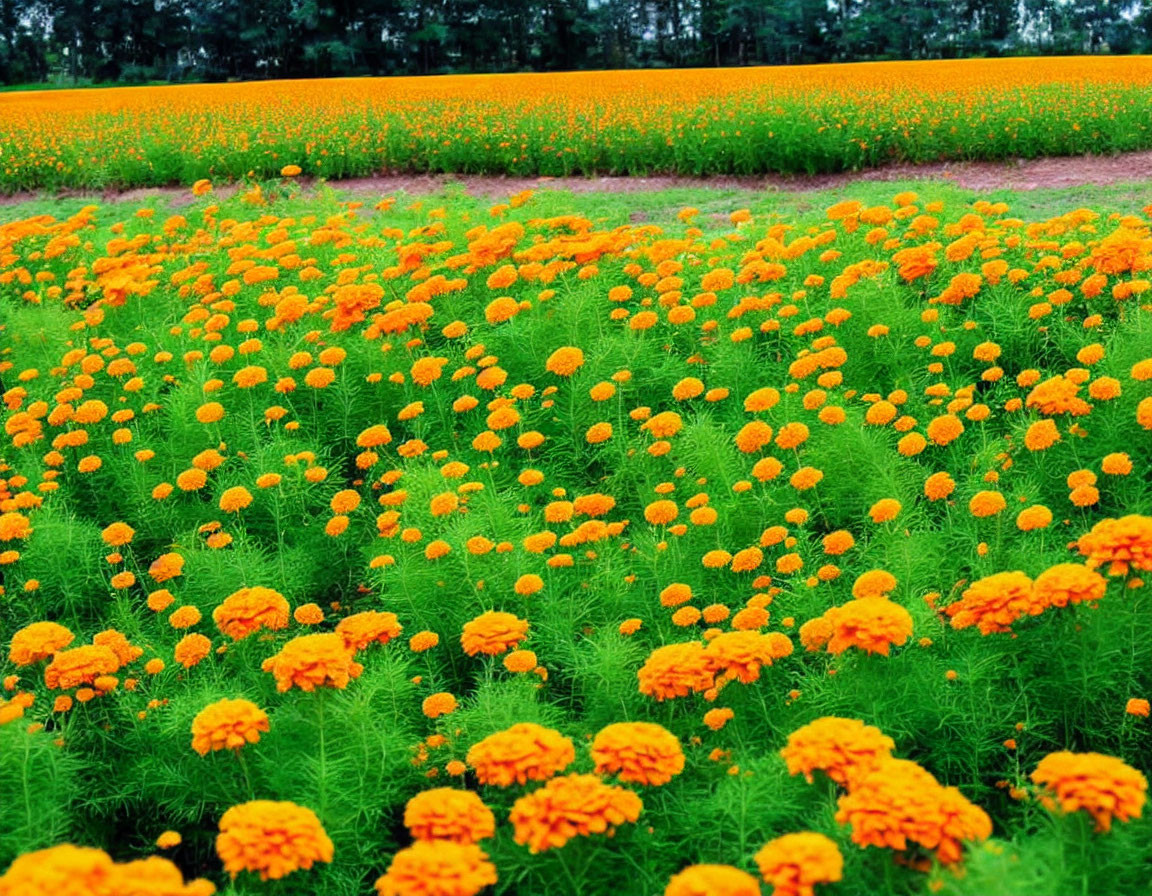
x=137 y=41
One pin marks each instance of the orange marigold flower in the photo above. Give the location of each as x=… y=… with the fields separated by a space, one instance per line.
x=571 y=806
x=899 y=803
x=846 y=750
x=1122 y=544
x=422 y=641
x=676 y=670
x=440 y=704
x=372 y=626
x=68 y=869
x=447 y=814
x=872 y=625
x=437 y=868
x=994 y=602
x=248 y=610
x=739 y=655
x=712 y=880
x=13 y=526
x=884 y=510
x=235 y=499
x=227 y=725
x=565 y=361
x=80 y=665
x=191 y=649
x=1068 y=583
x=874 y=583
x=38 y=641
x=1105 y=787
x=987 y=503
x=640 y=752
x=166 y=566
x=493 y=633
x=117 y=534
x=312 y=661
x=1137 y=706
x=795 y=863
x=525 y=752
x=271 y=838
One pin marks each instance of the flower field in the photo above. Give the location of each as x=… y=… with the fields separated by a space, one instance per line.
x=798 y=119
x=435 y=548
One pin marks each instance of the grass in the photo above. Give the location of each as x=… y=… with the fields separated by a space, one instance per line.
x=303 y=313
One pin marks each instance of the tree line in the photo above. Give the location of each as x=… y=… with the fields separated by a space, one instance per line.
x=136 y=41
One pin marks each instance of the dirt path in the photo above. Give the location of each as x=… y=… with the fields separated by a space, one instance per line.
x=1019 y=174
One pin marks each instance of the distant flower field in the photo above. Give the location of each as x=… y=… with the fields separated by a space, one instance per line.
x=443 y=549
x=800 y=119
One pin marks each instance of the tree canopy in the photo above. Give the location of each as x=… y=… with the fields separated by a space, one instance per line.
x=178 y=40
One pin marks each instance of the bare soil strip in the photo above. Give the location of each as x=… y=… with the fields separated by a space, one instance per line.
x=1018 y=174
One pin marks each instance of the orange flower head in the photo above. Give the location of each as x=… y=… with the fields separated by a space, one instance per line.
x=38 y=641
x=639 y=752
x=493 y=633
x=312 y=661
x=249 y=610
x=712 y=880
x=571 y=806
x=525 y=752
x=370 y=627
x=227 y=725
x=795 y=863
x=437 y=868
x=899 y=804
x=846 y=750
x=272 y=839
x=443 y=813
x=1105 y=787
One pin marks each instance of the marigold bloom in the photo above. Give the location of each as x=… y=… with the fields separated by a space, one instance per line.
x=248 y=610
x=227 y=725
x=271 y=838
x=525 y=752
x=675 y=670
x=1137 y=706
x=884 y=510
x=986 y=503
x=899 y=803
x=994 y=602
x=312 y=661
x=191 y=649
x=14 y=525
x=493 y=633
x=639 y=752
x=440 y=704
x=447 y=814
x=565 y=361
x=1105 y=787
x=1068 y=583
x=117 y=535
x=437 y=868
x=370 y=627
x=166 y=566
x=1122 y=544
x=235 y=499
x=66 y=869
x=571 y=806
x=80 y=665
x=740 y=655
x=872 y=625
x=712 y=880
x=795 y=863
x=846 y=750
x=38 y=641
